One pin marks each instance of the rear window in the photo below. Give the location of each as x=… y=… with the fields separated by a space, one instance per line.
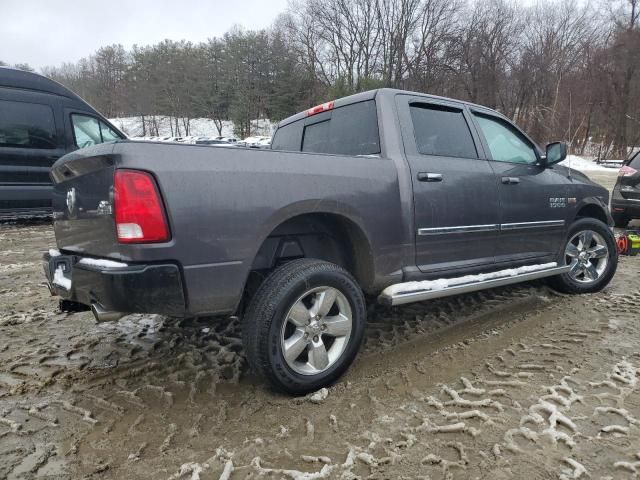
x=27 y=125
x=348 y=130
x=441 y=131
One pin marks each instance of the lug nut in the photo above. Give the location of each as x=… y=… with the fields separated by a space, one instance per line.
x=315 y=339
x=324 y=327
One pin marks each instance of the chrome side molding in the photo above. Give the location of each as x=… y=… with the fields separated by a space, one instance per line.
x=408 y=292
x=494 y=227
x=460 y=229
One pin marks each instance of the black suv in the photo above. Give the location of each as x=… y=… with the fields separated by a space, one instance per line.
x=625 y=201
x=40 y=120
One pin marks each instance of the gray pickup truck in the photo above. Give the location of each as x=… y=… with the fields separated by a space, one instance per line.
x=385 y=195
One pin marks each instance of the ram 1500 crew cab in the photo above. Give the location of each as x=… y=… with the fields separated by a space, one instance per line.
x=385 y=194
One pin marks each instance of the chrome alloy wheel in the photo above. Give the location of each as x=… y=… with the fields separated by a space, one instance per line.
x=316 y=331
x=588 y=256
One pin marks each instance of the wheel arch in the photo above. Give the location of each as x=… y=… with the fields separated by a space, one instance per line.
x=593 y=207
x=332 y=233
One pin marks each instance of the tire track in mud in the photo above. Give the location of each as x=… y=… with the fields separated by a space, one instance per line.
x=166 y=398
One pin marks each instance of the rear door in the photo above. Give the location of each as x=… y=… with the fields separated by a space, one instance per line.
x=30 y=142
x=456 y=205
x=534 y=200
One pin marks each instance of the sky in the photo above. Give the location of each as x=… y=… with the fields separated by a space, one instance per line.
x=50 y=32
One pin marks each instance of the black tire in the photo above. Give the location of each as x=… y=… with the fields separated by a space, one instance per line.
x=564 y=282
x=266 y=314
x=620 y=221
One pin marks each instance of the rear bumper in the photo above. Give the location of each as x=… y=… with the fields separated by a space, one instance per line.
x=627 y=207
x=139 y=288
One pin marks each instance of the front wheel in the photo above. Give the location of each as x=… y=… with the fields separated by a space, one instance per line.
x=591 y=253
x=304 y=325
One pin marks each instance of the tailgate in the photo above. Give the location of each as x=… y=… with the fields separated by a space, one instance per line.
x=83 y=202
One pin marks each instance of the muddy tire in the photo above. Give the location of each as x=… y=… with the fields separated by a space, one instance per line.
x=590 y=250
x=304 y=325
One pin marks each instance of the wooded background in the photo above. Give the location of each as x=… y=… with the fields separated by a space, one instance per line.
x=562 y=69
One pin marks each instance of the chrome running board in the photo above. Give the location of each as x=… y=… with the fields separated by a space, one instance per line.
x=409 y=292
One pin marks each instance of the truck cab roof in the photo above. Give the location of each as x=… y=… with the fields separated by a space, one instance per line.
x=372 y=94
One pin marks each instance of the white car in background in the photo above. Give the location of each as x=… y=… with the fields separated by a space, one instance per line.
x=256 y=142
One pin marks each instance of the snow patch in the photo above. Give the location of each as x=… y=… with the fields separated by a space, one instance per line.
x=442 y=283
x=205 y=127
x=583 y=165
x=60 y=280
x=53 y=252
x=319 y=396
x=95 y=262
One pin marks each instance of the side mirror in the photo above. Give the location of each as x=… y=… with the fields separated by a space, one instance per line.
x=556 y=152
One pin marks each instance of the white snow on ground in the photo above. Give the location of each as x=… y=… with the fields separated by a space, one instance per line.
x=584 y=165
x=443 y=283
x=204 y=127
x=54 y=252
x=94 y=262
x=60 y=279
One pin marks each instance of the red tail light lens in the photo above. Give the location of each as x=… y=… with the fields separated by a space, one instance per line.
x=324 y=107
x=627 y=171
x=139 y=212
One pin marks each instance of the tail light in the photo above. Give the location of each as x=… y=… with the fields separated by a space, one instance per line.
x=627 y=171
x=138 y=208
x=324 y=107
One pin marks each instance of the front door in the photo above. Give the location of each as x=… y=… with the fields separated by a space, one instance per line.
x=533 y=199
x=456 y=205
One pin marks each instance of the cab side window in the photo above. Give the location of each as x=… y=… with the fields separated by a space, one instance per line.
x=27 y=125
x=505 y=142
x=441 y=131
x=89 y=131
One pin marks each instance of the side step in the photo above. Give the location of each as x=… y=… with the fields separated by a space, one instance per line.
x=409 y=292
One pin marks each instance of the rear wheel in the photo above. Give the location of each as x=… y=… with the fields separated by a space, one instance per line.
x=304 y=325
x=591 y=253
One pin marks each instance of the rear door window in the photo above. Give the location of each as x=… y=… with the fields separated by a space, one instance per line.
x=441 y=131
x=348 y=130
x=635 y=161
x=27 y=125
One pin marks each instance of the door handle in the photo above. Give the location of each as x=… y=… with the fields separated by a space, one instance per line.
x=429 y=177
x=510 y=180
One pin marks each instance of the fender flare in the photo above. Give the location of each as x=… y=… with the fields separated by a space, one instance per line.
x=593 y=201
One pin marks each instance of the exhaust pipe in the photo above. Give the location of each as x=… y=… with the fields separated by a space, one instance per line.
x=103 y=315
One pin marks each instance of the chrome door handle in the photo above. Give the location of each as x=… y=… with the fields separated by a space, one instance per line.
x=510 y=180
x=429 y=177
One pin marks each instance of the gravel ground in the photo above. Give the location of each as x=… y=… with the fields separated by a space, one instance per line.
x=509 y=383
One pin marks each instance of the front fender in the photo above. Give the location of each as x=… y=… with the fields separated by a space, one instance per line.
x=589 y=204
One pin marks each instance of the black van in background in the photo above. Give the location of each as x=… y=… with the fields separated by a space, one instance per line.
x=40 y=120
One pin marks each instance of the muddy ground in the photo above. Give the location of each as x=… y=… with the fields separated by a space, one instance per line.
x=517 y=382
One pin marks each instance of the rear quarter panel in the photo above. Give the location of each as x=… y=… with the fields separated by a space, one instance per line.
x=223 y=202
